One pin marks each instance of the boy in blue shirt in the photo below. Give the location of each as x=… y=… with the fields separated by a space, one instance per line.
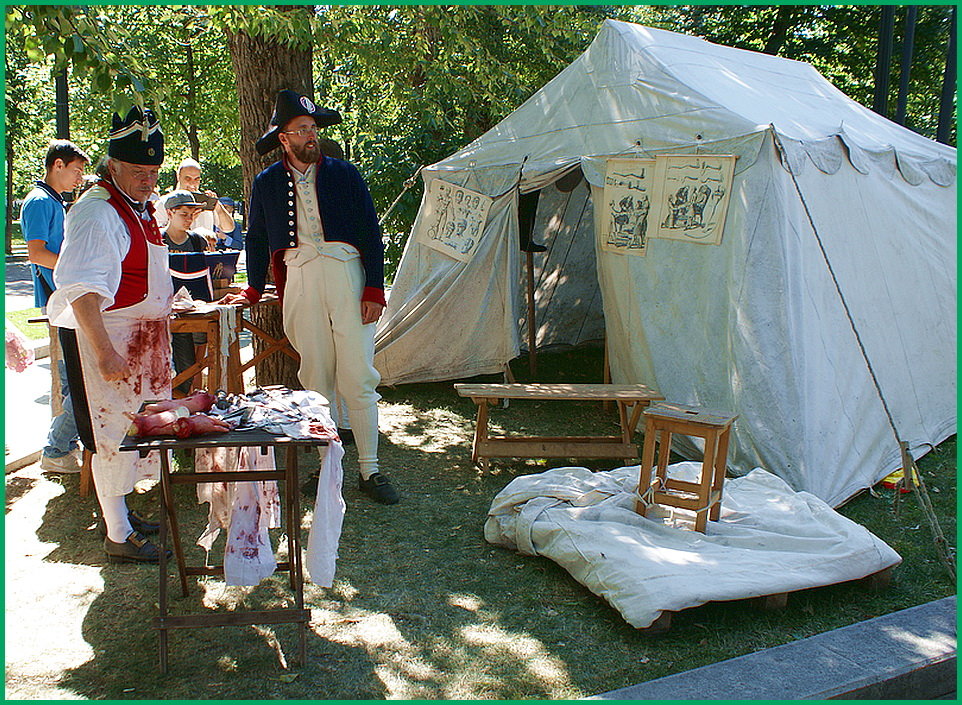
x=41 y=221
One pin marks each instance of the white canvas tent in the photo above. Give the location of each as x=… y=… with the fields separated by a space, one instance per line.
x=828 y=309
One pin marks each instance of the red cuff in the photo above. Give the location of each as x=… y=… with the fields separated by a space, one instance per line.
x=251 y=294
x=374 y=295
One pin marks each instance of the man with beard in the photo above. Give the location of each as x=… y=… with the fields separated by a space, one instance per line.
x=311 y=217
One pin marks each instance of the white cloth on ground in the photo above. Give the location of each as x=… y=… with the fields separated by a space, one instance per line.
x=769 y=539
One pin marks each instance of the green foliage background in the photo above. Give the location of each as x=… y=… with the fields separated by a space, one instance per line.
x=414 y=82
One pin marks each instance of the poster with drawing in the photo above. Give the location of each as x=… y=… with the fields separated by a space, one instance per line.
x=627 y=201
x=453 y=219
x=694 y=196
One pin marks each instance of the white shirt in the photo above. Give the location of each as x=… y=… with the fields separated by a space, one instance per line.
x=95 y=244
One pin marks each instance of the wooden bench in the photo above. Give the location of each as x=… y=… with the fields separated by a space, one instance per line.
x=630 y=398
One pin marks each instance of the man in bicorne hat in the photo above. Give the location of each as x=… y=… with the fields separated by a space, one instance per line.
x=312 y=220
x=114 y=289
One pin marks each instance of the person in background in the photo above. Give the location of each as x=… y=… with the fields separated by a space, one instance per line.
x=188 y=179
x=182 y=211
x=312 y=220
x=41 y=221
x=234 y=239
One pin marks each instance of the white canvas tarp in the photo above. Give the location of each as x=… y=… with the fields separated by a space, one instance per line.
x=768 y=540
x=826 y=318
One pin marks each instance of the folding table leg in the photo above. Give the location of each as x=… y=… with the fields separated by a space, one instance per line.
x=162 y=590
x=171 y=514
x=294 y=548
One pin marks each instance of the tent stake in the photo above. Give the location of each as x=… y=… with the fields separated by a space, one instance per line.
x=910 y=473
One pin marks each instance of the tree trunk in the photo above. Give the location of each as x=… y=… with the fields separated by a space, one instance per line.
x=262 y=69
x=8 y=235
x=193 y=140
x=785 y=19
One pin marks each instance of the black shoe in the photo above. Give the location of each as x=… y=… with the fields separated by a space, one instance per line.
x=137 y=523
x=378 y=488
x=346 y=435
x=136 y=549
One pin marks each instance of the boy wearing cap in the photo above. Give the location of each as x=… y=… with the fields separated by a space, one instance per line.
x=182 y=212
x=114 y=289
x=312 y=219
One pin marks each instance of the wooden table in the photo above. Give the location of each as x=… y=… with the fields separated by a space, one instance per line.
x=228 y=375
x=631 y=400
x=168 y=514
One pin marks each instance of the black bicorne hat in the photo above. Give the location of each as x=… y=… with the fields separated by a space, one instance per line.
x=288 y=106
x=137 y=138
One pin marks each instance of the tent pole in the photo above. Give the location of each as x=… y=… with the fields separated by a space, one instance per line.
x=532 y=354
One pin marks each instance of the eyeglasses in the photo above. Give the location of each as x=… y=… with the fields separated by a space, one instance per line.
x=312 y=130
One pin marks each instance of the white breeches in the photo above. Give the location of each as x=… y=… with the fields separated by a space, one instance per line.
x=322 y=319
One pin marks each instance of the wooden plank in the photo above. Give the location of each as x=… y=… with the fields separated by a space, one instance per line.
x=777 y=601
x=287 y=616
x=558 y=439
x=282 y=566
x=562 y=392
x=193 y=478
x=519 y=448
x=659 y=626
x=688 y=415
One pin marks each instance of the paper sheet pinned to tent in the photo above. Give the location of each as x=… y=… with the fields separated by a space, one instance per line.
x=769 y=539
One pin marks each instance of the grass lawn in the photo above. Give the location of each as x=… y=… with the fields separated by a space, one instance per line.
x=422 y=606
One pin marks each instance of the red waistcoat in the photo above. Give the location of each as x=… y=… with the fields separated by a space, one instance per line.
x=133 y=269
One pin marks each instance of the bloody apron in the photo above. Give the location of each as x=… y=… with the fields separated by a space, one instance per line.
x=140 y=333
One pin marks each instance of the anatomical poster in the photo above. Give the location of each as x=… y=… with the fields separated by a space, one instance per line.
x=694 y=192
x=628 y=200
x=453 y=219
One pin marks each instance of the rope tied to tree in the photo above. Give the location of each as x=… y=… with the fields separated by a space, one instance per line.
x=408 y=183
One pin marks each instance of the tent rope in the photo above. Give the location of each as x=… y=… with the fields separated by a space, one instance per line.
x=408 y=183
x=908 y=463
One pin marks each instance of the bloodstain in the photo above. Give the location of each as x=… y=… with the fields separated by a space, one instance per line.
x=148 y=354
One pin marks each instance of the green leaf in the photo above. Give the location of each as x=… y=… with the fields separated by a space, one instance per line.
x=121 y=103
x=102 y=81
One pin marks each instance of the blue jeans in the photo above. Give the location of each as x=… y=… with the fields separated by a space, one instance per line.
x=63 y=429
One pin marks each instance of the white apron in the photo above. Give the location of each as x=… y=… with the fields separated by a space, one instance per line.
x=141 y=334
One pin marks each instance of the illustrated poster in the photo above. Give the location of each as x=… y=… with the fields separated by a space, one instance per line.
x=628 y=199
x=694 y=196
x=453 y=219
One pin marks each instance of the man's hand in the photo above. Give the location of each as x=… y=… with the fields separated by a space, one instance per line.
x=370 y=312
x=112 y=366
x=231 y=299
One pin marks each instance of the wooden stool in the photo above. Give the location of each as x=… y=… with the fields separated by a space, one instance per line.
x=703 y=497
